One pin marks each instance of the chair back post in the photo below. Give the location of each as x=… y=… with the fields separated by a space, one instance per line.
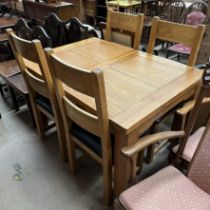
x=153 y=35
x=203 y=92
x=196 y=45
x=126 y=22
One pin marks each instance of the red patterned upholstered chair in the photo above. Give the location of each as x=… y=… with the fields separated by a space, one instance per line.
x=194 y=18
x=193 y=117
x=169 y=189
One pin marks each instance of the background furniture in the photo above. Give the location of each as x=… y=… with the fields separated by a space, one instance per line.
x=39 y=10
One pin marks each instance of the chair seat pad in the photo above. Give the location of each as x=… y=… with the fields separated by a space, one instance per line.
x=44 y=103
x=191 y=145
x=181 y=48
x=168 y=189
x=90 y=140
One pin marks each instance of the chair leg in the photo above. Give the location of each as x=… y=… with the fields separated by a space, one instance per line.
x=38 y=118
x=151 y=148
x=71 y=152
x=107 y=176
x=61 y=137
x=30 y=109
x=14 y=99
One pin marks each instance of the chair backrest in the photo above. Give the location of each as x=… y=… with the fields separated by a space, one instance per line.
x=175 y=11
x=88 y=83
x=55 y=29
x=33 y=64
x=127 y=22
x=77 y=31
x=22 y=29
x=119 y=36
x=195 y=18
x=178 y=33
x=196 y=7
x=39 y=33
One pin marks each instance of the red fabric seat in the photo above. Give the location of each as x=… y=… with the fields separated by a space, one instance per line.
x=168 y=189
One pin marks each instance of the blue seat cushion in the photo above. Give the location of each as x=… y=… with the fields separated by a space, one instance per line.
x=44 y=103
x=90 y=140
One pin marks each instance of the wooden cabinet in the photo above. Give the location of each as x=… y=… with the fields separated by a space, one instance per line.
x=39 y=10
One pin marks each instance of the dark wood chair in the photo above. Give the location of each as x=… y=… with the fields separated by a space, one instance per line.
x=10 y=67
x=77 y=31
x=175 y=10
x=86 y=130
x=54 y=27
x=39 y=33
x=22 y=29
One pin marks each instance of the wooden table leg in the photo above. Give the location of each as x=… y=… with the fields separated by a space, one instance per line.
x=121 y=164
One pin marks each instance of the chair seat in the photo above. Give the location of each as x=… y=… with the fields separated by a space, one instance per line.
x=44 y=103
x=90 y=140
x=168 y=189
x=180 y=48
x=191 y=145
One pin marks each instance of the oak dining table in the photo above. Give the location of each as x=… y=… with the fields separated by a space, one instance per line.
x=140 y=88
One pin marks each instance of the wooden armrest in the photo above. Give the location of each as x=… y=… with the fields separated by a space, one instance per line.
x=189 y=105
x=148 y=140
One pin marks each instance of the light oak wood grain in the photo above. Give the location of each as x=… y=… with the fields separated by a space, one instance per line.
x=140 y=87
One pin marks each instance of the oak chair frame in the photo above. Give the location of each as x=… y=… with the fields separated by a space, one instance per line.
x=67 y=77
x=33 y=65
x=127 y=22
x=179 y=33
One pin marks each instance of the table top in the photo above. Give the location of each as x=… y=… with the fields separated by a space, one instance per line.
x=123 y=3
x=139 y=86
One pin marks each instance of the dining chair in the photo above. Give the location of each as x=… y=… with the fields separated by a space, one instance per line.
x=39 y=33
x=178 y=33
x=196 y=7
x=84 y=129
x=33 y=65
x=174 y=11
x=169 y=188
x=194 y=18
x=125 y=22
x=10 y=66
x=77 y=31
x=54 y=27
x=192 y=117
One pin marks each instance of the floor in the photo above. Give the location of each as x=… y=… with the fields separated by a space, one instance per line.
x=32 y=177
